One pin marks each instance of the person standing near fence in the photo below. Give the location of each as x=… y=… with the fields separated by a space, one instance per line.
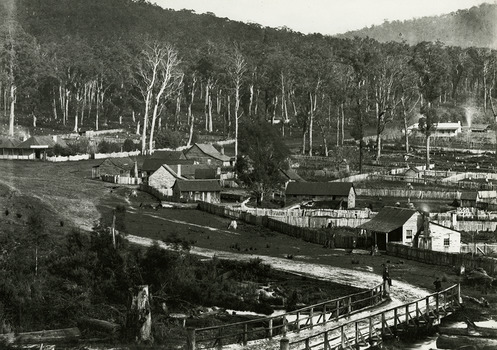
x=387 y=281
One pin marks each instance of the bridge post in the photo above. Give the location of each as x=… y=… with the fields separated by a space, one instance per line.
x=342 y=336
x=459 y=299
x=311 y=316
x=297 y=321
x=284 y=344
x=270 y=328
x=437 y=311
x=324 y=314
x=338 y=309
x=349 y=306
x=245 y=334
x=190 y=339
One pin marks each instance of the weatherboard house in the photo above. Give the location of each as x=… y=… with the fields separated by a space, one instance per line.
x=115 y=167
x=342 y=193
x=207 y=154
x=33 y=148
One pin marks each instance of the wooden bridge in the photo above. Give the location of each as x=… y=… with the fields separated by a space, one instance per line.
x=295 y=321
x=373 y=329
x=324 y=324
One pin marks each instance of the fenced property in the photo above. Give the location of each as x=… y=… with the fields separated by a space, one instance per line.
x=294 y=321
x=371 y=330
x=321 y=236
x=441 y=258
x=405 y=193
x=165 y=194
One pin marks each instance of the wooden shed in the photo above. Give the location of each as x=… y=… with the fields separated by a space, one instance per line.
x=393 y=224
x=115 y=166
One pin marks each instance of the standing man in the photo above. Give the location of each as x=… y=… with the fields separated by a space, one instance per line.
x=387 y=281
x=438 y=285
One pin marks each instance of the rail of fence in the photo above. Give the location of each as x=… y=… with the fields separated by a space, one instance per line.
x=307 y=317
x=371 y=329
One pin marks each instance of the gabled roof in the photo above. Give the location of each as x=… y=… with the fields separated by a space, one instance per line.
x=169 y=170
x=152 y=164
x=8 y=143
x=291 y=175
x=209 y=150
x=412 y=168
x=198 y=185
x=41 y=141
x=388 y=219
x=125 y=163
x=319 y=188
x=168 y=155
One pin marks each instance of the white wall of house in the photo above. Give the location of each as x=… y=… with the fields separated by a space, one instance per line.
x=441 y=239
x=409 y=229
x=161 y=179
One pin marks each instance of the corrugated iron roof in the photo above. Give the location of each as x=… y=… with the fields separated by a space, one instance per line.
x=388 y=219
x=198 y=185
x=319 y=188
x=8 y=143
x=47 y=141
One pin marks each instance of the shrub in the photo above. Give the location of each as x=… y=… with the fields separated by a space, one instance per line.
x=129 y=145
x=166 y=138
x=108 y=147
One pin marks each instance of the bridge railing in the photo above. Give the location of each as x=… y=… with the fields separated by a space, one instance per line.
x=294 y=321
x=371 y=329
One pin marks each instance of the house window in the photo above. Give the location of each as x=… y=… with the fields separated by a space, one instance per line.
x=446 y=242
x=408 y=235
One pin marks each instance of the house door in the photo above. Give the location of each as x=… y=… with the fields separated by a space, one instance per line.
x=37 y=154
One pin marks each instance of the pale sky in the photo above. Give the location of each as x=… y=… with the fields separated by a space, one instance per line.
x=321 y=16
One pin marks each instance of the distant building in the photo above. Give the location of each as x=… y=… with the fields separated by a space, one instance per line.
x=333 y=192
x=290 y=175
x=168 y=155
x=35 y=147
x=441 y=130
x=411 y=173
x=197 y=190
x=115 y=166
x=393 y=224
x=150 y=165
x=207 y=154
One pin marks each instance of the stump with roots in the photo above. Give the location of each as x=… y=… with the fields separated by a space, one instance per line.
x=139 y=322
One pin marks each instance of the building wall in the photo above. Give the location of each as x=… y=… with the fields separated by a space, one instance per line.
x=440 y=236
x=209 y=197
x=196 y=154
x=409 y=229
x=351 y=199
x=161 y=179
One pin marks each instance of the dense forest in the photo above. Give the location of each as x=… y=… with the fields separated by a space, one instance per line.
x=74 y=64
x=465 y=28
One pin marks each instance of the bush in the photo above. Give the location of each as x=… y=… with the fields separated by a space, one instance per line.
x=166 y=138
x=108 y=147
x=129 y=145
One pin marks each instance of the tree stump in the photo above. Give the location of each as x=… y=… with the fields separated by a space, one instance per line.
x=140 y=316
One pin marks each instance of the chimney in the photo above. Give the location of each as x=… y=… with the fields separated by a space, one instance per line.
x=54 y=138
x=426 y=224
x=453 y=220
x=178 y=170
x=222 y=149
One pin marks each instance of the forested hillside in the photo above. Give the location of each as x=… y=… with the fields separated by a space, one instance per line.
x=476 y=26
x=72 y=64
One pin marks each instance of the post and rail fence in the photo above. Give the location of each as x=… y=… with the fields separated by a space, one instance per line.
x=293 y=321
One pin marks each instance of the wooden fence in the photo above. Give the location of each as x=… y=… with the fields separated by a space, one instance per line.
x=374 y=192
x=165 y=195
x=388 y=323
x=268 y=327
x=441 y=258
x=121 y=180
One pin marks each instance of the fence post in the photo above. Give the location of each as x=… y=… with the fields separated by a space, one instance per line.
x=297 y=321
x=284 y=344
x=338 y=309
x=190 y=338
x=324 y=314
x=220 y=338
x=349 y=306
x=437 y=306
x=459 y=299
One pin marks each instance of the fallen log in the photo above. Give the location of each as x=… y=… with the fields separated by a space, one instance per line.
x=456 y=342
x=99 y=325
x=67 y=335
